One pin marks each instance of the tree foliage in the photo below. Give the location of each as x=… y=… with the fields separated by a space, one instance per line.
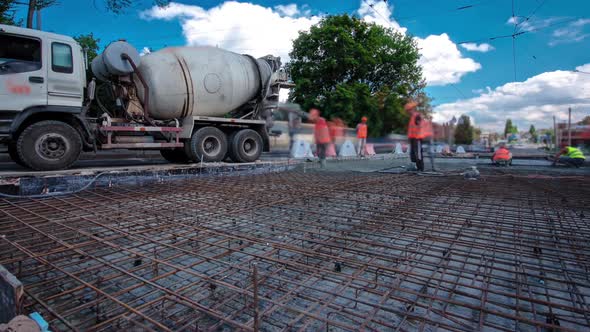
x=533 y=133
x=509 y=128
x=464 y=131
x=585 y=120
x=350 y=68
x=119 y=6
x=90 y=44
x=8 y=12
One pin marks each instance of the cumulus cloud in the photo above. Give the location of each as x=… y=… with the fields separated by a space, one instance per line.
x=534 y=101
x=287 y=10
x=483 y=47
x=257 y=30
x=238 y=26
x=379 y=12
x=442 y=62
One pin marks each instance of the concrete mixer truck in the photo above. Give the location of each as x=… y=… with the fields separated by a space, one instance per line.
x=193 y=104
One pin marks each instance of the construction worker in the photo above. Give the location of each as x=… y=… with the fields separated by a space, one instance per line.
x=502 y=156
x=294 y=115
x=418 y=129
x=321 y=133
x=570 y=156
x=361 y=134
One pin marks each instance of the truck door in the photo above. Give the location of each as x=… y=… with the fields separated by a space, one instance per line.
x=64 y=84
x=22 y=74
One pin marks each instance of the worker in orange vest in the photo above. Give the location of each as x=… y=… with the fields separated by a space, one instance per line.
x=419 y=128
x=361 y=134
x=321 y=133
x=502 y=156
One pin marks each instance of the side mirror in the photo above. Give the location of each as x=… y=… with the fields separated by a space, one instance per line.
x=91 y=89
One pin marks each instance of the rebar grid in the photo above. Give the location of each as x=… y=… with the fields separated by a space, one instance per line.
x=295 y=251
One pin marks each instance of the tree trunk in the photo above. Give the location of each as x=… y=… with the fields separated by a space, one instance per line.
x=30 y=13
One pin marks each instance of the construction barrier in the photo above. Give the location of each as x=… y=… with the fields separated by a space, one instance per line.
x=347 y=150
x=301 y=150
x=398 y=149
x=331 y=150
x=369 y=150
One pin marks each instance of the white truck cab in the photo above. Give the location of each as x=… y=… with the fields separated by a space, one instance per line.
x=39 y=68
x=42 y=82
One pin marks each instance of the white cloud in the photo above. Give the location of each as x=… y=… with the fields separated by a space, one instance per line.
x=379 y=12
x=531 y=25
x=484 y=47
x=442 y=62
x=572 y=33
x=238 y=26
x=144 y=51
x=534 y=101
x=248 y=28
x=287 y=10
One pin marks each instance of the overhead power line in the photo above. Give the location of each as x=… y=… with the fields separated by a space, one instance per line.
x=427 y=60
x=519 y=32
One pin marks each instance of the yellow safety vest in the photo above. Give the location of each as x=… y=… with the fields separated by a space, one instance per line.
x=574 y=153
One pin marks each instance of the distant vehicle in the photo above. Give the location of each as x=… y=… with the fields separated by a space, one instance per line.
x=191 y=104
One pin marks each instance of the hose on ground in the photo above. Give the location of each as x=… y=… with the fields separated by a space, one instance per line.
x=60 y=193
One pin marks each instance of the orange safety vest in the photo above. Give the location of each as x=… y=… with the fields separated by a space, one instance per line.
x=322 y=132
x=419 y=131
x=362 y=130
x=502 y=154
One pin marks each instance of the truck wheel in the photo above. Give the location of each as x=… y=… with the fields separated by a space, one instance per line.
x=246 y=146
x=208 y=144
x=176 y=156
x=13 y=153
x=49 y=145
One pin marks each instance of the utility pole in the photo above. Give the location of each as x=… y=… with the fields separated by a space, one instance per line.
x=554 y=134
x=39 y=18
x=31 y=12
x=569 y=126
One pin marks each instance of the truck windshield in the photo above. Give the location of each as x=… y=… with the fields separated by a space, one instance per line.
x=19 y=55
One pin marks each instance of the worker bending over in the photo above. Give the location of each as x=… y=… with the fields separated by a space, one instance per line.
x=321 y=133
x=502 y=156
x=418 y=129
x=570 y=156
x=361 y=134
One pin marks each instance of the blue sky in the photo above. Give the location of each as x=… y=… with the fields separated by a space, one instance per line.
x=477 y=81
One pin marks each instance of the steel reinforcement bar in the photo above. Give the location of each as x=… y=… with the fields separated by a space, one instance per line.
x=307 y=251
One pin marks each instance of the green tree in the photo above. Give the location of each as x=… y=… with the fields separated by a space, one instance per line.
x=90 y=44
x=585 y=120
x=464 y=131
x=476 y=134
x=350 y=68
x=8 y=12
x=119 y=6
x=508 y=127
x=533 y=132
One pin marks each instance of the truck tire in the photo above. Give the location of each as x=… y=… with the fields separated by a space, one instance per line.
x=246 y=146
x=13 y=153
x=49 y=145
x=208 y=144
x=175 y=156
